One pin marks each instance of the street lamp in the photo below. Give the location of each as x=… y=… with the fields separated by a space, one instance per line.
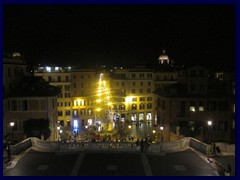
x=11 y=125
x=209 y=127
x=58 y=129
x=209 y=123
x=161 y=130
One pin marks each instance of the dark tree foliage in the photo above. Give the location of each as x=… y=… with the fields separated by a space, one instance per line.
x=36 y=128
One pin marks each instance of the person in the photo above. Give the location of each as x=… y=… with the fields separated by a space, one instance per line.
x=137 y=145
x=214 y=148
x=228 y=170
x=9 y=151
x=141 y=145
x=146 y=145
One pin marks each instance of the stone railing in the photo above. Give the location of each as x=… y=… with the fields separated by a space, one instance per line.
x=59 y=147
x=18 y=148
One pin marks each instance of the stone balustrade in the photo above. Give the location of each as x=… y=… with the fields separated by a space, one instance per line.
x=60 y=147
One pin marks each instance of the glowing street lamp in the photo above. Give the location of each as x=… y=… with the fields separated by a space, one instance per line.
x=11 y=125
x=209 y=123
x=161 y=130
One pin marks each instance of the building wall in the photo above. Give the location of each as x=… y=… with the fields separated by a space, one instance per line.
x=37 y=108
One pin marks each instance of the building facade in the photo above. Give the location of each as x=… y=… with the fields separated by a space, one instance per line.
x=198 y=106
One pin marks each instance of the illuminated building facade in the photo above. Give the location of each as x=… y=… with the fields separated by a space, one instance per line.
x=133 y=98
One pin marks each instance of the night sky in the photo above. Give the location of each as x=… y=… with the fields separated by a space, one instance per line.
x=121 y=34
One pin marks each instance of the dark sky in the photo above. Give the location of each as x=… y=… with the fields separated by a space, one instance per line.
x=120 y=34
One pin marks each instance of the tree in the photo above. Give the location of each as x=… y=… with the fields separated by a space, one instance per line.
x=36 y=128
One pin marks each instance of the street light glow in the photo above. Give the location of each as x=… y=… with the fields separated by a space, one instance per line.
x=209 y=123
x=161 y=128
x=11 y=124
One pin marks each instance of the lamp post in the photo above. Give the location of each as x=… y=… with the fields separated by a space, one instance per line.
x=161 y=134
x=11 y=125
x=58 y=129
x=209 y=128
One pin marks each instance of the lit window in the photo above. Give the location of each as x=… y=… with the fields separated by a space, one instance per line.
x=201 y=108
x=192 y=108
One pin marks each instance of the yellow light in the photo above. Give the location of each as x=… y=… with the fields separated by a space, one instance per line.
x=98 y=109
x=104 y=83
x=154 y=131
x=109 y=103
x=99 y=94
x=108 y=97
x=99 y=100
x=129 y=99
x=129 y=126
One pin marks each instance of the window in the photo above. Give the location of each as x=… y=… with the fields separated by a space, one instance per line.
x=60 y=104
x=192 y=106
x=74 y=76
x=68 y=113
x=49 y=78
x=141 y=75
x=67 y=95
x=82 y=112
x=133 y=75
x=140 y=90
x=82 y=85
x=149 y=75
x=222 y=126
x=89 y=111
x=133 y=83
x=24 y=105
x=141 y=83
x=134 y=107
x=13 y=105
x=117 y=83
x=133 y=91
x=9 y=72
x=149 y=116
x=223 y=106
x=149 y=106
x=201 y=106
x=141 y=106
x=59 y=113
x=149 y=90
x=75 y=112
x=67 y=78
x=67 y=87
x=59 y=78
x=74 y=85
x=149 y=98
x=134 y=99
x=149 y=83
x=211 y=105
x=67 y=104
x=142 y=99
